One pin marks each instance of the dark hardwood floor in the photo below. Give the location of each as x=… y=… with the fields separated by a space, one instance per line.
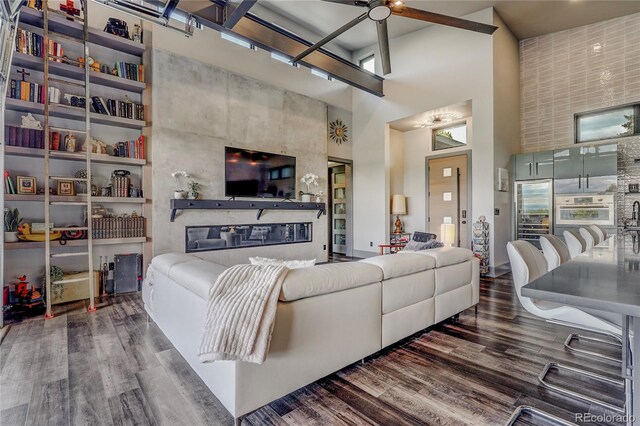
x=114 y=367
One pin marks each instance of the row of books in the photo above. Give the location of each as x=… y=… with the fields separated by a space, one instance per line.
x=9 y=186
x=27 y=91
x=118 y=227
x=24 y=137
x=115 y=108
x=120 y=186
x=130 y=149
x=32 y=44
x=130 y=71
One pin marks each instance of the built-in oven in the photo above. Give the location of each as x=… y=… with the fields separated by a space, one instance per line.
x=597 y=209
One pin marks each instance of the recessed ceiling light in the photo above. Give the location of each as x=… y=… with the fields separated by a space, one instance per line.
x=398 y=3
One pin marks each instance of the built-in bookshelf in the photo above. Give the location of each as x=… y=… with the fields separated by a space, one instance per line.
x=27 y=257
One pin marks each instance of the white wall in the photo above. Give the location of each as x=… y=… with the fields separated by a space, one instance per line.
x=506 y=129
x=434 y=67
x=396 y=169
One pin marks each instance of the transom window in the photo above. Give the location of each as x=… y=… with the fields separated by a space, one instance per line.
x=453 y=136
x=611 y=123
x=369 y=63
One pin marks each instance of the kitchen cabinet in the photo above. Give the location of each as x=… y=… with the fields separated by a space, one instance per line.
x=590 y=169
x=538 y=165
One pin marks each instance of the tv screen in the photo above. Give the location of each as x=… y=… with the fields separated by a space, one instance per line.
x=259 y=174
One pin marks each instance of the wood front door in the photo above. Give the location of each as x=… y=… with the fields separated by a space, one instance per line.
x=447 y=195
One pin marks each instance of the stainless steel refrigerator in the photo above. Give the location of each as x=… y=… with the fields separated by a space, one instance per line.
x=534 y=209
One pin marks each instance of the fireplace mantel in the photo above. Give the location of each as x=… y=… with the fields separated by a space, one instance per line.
x=258 y=205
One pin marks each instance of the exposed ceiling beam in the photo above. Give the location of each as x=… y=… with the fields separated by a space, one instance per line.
x=169 y=8
x=235 y=10
x=272 y=38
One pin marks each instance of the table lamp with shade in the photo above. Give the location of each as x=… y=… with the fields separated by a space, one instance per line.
x=398 y=207
x=448 y=234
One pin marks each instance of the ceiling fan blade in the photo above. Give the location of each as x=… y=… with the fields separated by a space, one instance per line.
x=349 y=2
x=383 y=43
x=436 y=18
x=330 y=37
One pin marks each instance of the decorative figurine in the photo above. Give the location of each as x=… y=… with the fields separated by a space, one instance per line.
x=70 y=143
x=70 y=9
x=30 y=122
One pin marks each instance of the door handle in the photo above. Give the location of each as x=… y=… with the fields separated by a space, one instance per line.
x=530 y=164
x=579 y=181
x=536 y=168
x=587 y=181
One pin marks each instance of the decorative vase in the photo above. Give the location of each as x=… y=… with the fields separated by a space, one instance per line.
x=178 y=195
x=306 y=198
x=318 y=199
x=193 y=195
x=11 y=236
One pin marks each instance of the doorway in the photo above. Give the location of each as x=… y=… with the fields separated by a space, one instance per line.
x=448 y=196
x=340 y=203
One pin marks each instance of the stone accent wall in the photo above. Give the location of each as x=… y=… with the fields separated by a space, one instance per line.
x=573 y=71
x=197 y=110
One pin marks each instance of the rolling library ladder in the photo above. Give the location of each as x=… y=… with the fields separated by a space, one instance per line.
x=49 y=257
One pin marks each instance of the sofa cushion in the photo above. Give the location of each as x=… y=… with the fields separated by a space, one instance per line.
x=164 y=262
x=327 y=278
x=451 y=277
x=399 y=266
x=444 y=256
x=404 y=291
x=198 y=276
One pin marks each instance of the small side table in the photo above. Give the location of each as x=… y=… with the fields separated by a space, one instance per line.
x=393 y=248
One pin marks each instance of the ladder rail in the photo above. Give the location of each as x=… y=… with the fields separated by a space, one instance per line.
x=47 y=165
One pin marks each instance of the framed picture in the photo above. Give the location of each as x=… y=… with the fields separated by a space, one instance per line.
x=26 y=184
x=66 y=187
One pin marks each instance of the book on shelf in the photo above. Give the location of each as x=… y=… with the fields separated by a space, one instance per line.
x=130 y=149
x=35 y=4
x=23 y=137
x=118 y=227
x=26 y=91
x=120 y=186
x=9 y=187
x=116 y=108
x=130 y=71
x=31 y=43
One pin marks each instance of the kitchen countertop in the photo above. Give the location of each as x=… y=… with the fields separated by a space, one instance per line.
x=607 y=278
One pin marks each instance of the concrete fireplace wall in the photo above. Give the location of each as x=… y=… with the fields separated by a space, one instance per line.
x=197 y=110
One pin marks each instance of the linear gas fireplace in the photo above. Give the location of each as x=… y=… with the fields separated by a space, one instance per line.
x=224 y=237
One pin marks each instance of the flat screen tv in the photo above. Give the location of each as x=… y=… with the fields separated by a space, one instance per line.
x=259 y=174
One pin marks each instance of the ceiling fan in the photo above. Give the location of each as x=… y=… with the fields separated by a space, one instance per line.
x=378 y=11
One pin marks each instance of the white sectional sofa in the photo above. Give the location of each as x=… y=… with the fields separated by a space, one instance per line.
x=329 y=316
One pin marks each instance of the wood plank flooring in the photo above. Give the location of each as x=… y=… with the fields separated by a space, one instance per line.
x=115 y=367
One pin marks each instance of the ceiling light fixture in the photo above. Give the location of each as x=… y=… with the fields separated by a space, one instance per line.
x=440 y=119
x=398 y=3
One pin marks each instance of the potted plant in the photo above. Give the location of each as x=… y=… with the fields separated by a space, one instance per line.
x=178 y=193
x=12 y=220
x=194 y=189
x=309 y=180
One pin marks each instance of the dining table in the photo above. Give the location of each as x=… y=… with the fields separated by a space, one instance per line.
x=607 y=278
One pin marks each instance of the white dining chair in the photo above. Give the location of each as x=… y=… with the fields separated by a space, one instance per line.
x=602 y=233
x=528 y=264
x=555 y=251
x=590 y=237
x=575 y=243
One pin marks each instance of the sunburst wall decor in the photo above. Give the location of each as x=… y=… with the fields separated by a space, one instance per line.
x=338 y=132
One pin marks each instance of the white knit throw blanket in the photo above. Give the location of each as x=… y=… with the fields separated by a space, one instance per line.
x=240 y=314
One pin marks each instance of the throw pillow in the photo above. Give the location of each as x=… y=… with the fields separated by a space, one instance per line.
x=291 y=264
x=418 y=246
